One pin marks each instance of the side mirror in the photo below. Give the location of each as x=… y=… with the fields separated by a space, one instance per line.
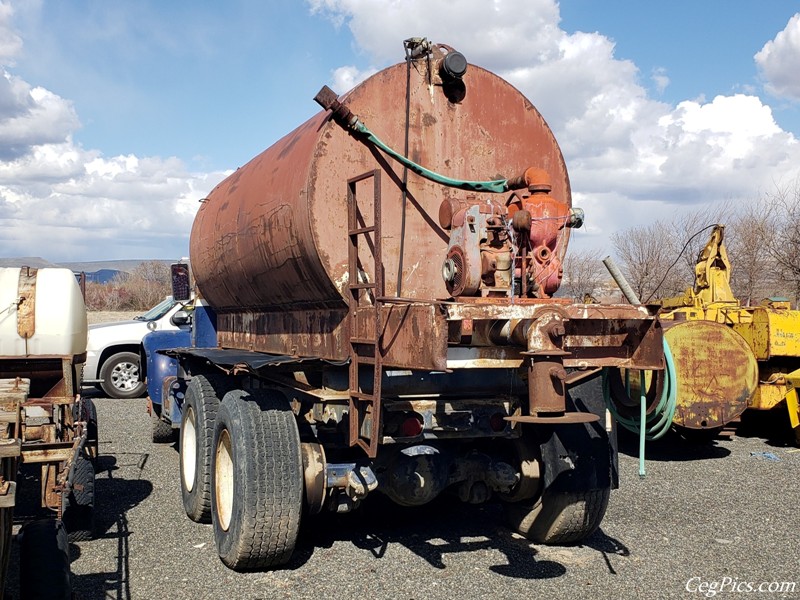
x=181 y=317
x=181 y=286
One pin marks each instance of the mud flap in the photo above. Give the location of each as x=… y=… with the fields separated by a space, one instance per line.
x=580 y=457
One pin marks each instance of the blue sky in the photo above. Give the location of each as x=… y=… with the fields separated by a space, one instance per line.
x=116 y=117
x=706 y=48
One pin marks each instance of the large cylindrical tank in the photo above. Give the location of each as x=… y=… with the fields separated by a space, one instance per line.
x=273 y=235
x=41 y=313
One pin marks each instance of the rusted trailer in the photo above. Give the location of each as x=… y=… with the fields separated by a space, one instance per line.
x=45 y=422
x=382 y=280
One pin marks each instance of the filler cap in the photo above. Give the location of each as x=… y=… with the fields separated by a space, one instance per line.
x=454 y=65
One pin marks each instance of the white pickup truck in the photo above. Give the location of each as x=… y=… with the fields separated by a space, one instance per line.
x=112 y=355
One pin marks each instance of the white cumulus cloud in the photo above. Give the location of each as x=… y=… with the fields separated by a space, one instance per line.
x=346 y=78
x=63 y=202
x=779 y=61
x=10 y=41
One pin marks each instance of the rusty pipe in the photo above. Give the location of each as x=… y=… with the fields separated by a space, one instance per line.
x=547 y=393
x=623 y=284
x=511 y=332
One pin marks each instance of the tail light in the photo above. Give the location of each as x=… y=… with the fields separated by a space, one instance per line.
x=411 y=426
x=497 y=422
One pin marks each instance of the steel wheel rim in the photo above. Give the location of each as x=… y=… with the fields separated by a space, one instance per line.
x=223 y=480
x=189 y=449
x=125 y=376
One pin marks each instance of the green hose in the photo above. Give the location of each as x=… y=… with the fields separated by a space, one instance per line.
x=497 y=186
x=657 y=424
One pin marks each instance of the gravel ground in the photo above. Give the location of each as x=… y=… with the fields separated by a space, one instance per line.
x=705 y=512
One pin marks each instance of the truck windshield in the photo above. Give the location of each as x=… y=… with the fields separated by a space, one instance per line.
x=158 y=311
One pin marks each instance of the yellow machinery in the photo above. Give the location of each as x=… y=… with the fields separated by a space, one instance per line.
x=729 y=357
x=793 y=402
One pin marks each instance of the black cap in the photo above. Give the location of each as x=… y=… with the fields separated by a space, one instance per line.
x=454 y=65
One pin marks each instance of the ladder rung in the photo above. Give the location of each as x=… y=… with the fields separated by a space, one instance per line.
x=362 y=286
x=368 y=341
x=363 y=360
x=362 y=396
x=362 y=230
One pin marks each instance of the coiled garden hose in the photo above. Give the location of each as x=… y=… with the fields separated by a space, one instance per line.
x=658 y=422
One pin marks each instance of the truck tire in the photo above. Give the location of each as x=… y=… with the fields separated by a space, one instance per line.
x=257 y=480
x=560 y=517
x=163 y=433
x=88 y=413
x=120 y=376
x=576 y=474
x=77 y=507
x=44 y=561
x=200 y=406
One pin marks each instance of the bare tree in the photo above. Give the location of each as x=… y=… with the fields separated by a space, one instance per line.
x=752 y=267
x=782 y=239
x=104 y=296
x=584 y=273
x=761 y=238
x=146 y=285
x=646 y=254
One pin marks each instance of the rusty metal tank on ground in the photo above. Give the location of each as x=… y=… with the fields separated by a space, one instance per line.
x=273 y=236
x=716 y=374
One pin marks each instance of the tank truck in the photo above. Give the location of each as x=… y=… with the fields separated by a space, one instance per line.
x=381 y=281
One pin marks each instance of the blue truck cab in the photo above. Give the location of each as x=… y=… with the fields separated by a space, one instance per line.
x=161 y=372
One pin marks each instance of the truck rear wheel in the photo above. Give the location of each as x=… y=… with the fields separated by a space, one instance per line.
x=44 y=561
x=257 y=480
x=577 y=469
x=560 y=517
x=197 y=427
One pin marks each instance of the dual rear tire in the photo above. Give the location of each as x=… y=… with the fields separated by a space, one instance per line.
x=242 y=470
x=203 y=396
x=257 y=478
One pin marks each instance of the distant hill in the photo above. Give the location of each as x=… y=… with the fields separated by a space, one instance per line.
x=99 y=271
x=113 y=265
x=26 y=261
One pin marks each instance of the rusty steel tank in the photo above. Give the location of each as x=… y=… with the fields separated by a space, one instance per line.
x=272 y=238
x=389 y=266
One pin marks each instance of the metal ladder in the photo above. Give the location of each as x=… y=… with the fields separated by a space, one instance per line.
x=365 y=350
